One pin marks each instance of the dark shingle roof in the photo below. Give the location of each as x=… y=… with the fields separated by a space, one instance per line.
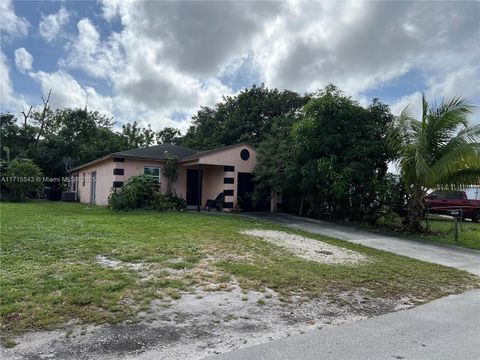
x=157 y=152
x=197 y=154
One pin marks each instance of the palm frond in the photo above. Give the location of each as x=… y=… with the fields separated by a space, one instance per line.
x=466 y=156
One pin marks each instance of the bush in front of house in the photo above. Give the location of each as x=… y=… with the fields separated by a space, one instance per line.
x=143 y=192
x=164 y=202
x=21 y=179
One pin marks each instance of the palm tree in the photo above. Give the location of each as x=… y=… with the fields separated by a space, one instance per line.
x=440 y=151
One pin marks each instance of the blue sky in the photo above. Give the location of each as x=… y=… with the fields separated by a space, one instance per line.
x=158 y=62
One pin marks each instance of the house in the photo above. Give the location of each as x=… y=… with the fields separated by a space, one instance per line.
x=202 y=174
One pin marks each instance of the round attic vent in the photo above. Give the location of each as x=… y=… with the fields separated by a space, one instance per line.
x=245 y=154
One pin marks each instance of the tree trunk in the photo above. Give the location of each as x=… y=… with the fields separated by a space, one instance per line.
x=415 y=210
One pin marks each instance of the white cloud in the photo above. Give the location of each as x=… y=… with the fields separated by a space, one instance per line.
x=6 y=89
x=9 y=100
x=23 y=60
x=412 y=101
x=11 y=25
x=52 y=24
x=168 y=57
x=67 y=92
x=361 y=45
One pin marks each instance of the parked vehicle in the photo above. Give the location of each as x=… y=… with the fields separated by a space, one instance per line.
x=443 y=202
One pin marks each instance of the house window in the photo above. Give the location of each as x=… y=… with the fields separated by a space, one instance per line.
x=117 y=184
x=118 y=171
x=245 y=154
x=153 y=172
x=83 y=179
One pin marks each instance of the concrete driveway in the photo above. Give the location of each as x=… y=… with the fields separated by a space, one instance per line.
x=448 y=328
x=453 y=256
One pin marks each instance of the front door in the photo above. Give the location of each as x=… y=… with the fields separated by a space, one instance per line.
x=192 y=187
x=245 y=189
x=93 y=189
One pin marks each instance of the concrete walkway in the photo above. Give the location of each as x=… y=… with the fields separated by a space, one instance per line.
x=448 y=328
x=453 y=256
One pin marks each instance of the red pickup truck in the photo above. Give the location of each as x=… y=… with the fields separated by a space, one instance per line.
x=442 y=202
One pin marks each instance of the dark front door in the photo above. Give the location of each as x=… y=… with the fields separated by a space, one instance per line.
x=192 y=187
x=245 y=189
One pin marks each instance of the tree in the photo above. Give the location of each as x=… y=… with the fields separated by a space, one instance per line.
x=22 y=178
x=277 y=169
x=171 y=171
x=134 y=136
x=246 y=117
x=168 y=135
x=330 y=158
x=343 y=154
x=441 y=150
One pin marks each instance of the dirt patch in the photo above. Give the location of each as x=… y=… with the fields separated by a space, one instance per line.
x=309 y=249
x=201 y=324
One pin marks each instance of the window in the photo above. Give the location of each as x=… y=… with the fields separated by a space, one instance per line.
x=153 y=172
x=83 y=179
x=245 y=154
x=118 y=171
x=454 y=195
x=117 y=184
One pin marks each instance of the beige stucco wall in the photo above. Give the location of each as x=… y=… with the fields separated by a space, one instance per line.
x=105 y=178
x=133 y=167
x=213 y=183
x=104 y=181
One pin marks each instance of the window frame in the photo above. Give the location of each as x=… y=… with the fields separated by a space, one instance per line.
x=153 y=168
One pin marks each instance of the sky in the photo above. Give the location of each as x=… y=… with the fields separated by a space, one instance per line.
x=158 y=62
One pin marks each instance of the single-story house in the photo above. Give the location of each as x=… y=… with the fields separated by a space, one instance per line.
x=202 y=174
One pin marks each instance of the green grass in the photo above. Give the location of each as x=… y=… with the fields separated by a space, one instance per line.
x=50 y=275
x=468 y=235
x=441 y=231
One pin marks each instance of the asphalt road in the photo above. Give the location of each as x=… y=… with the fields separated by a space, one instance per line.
x=457 y=257
x=448 y=328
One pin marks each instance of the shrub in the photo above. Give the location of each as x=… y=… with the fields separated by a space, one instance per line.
x=164 y=202
x=22 y=179
x=142 y=192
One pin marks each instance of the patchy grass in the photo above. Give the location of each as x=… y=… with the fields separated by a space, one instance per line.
x=468 y=235
x=441 y=231
x=50 y=273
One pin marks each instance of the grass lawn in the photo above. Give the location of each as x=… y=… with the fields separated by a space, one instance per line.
x=52 y=270
x=468 y=236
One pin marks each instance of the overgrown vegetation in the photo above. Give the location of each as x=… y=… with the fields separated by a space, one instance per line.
x=20 y=178
x=52 y=272
x=143 y=192
x=330 y=159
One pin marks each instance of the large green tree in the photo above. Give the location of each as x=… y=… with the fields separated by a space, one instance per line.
x=332 y=156
x=441 y=150
x=246 y=117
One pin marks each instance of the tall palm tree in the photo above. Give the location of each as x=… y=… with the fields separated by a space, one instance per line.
x=441 y=150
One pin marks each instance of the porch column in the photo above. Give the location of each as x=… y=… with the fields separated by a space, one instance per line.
x=200 y=176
